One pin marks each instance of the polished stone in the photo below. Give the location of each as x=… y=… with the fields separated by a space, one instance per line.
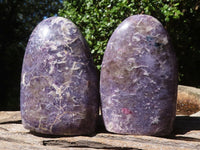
x=138 y=82
x=59 y=82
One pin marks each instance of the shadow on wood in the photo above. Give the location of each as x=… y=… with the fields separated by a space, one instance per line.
x=184 y=124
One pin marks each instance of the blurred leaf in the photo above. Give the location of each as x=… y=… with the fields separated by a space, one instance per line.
x=181 y=18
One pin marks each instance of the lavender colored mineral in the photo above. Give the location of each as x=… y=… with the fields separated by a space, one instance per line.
x=59 y=82
x=138 y=82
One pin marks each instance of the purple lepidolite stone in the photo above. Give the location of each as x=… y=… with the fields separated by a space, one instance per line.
x=59 y=82
x=138 y=82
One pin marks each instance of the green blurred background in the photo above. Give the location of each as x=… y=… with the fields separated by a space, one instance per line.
x=97 y=21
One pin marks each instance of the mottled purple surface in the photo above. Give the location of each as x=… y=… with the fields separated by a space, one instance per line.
x=59 y=82
x=138 y=82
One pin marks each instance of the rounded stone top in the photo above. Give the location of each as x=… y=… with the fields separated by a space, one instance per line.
x=141 y=24
x=57 y=29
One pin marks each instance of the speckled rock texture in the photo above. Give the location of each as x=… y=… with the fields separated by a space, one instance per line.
x=59 y=82
x=138 y=82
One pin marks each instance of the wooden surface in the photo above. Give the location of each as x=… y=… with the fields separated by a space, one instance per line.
x=188 y=101
x=13 y=136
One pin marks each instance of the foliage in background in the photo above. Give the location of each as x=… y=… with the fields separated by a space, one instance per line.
x=18 y=18
x=98 y=19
